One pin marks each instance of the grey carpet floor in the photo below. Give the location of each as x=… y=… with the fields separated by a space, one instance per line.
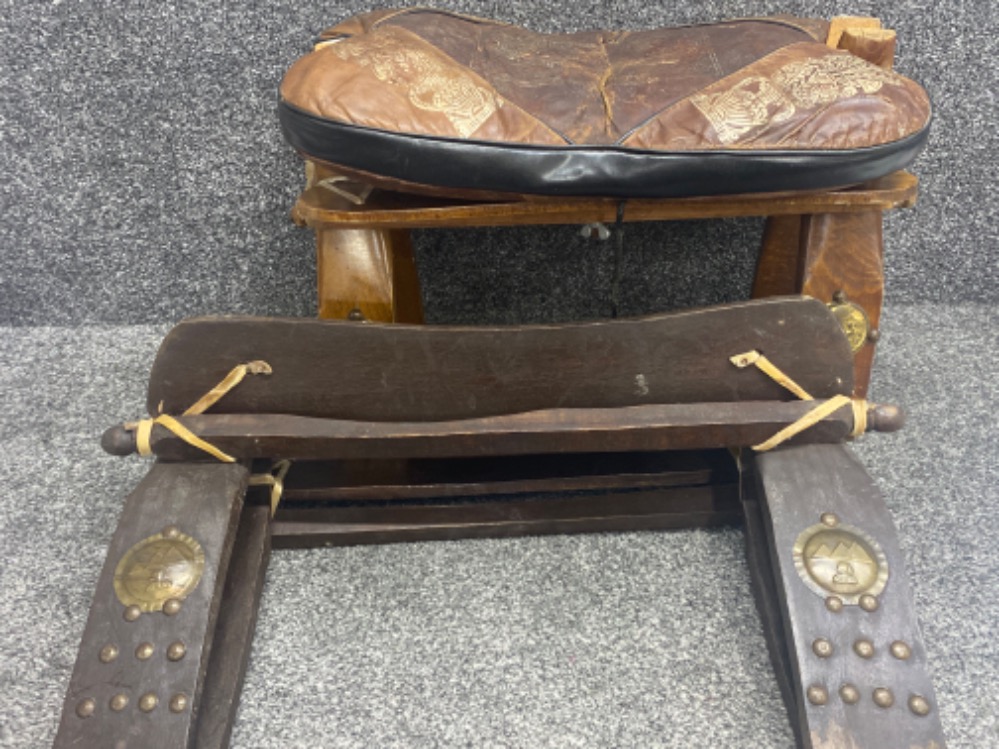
x=615 y=640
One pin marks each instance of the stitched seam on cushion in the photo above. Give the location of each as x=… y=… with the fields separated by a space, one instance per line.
x=692 y=94
x=481 y=80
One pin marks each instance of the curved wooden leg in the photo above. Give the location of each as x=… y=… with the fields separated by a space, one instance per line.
x=842 y=257
x=370 y=271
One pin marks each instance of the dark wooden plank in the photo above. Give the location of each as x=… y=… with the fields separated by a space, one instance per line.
x=234 y=631
x=876 y=647
x=361 y=480
x=687 y=426
x=684 y=507
x=159 y=693
x=376 y=372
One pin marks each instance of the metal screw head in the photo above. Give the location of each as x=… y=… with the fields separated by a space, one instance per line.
x=144 y=651
x=849 y=694
x=119 y=702
x=864 y=648
x=132 y=613
x=178 y=703
x=834 y=604
x=817 y=694
x=868 y=602
x=901 y=650
x=919 y=705
x=108 y=653
x=176 y=651
x=148 y=702
x=883 y=697
x=171 y=531
x=829 y=519
x=85 y=708
x=171 y=606
x=822 y=647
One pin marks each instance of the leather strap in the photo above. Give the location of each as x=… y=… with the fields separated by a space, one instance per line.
x=148 y=638
x=847 y=640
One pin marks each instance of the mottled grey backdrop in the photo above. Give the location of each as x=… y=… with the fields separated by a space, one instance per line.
x=144 y=177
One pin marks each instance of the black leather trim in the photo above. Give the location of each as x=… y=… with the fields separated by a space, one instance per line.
x=591 y=171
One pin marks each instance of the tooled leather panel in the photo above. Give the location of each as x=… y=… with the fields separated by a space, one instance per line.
x=805 y=96
x=594 y=87
x=392 y=80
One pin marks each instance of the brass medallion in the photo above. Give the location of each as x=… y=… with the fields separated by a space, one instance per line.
x=853 y=320
x=164 y=567
x=843 y=561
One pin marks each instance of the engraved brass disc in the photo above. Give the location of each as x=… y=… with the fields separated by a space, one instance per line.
x=843 y=561
x=853 y=320
x=158 y=569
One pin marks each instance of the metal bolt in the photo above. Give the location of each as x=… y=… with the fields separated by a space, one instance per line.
x=85 y=708
x=883 y=697
x=864 y=648
x=901 y=650
x=176 y=651
x=178 y=703
x=834 y=604
x=817 y=695
x=171 y=606
x=108 y=653
x=849 y=694
x=919 y=705
x=119 y=702
x=145 y=651
x=148 y=702
x=822 y=647
x=132 y=613
x=869 y=603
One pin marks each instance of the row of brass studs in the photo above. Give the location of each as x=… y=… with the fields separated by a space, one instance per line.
x=144 y=652
x=882 y=697
x=862 y=647
x=170 y=607
x=147 y=703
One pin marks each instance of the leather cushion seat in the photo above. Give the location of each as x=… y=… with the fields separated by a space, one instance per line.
x=433 y=98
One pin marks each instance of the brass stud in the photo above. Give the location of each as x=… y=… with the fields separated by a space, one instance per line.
x=817 y=695
x=148 y=702
x=119 y=702
x=171 y=531
x=355 y=315
x=883 y=697
x=901 y=650
x=144 y=652
x=919 y=705
x=864 y=648
x=108 y=653
x=822 y=647
x=829 y=519
x=873 y=335
x=171 y=606
x=85 y=708
x=834 y=604
x=839 y=296
x=178 y=703
x=868 y=602
x=132 y=613
x=176 y=651
x=849 y=694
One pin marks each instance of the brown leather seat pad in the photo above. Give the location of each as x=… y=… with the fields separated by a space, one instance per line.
x=757 y=88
